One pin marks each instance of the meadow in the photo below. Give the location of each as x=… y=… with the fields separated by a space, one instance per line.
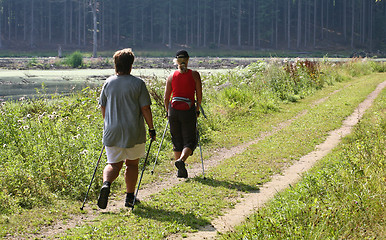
x=49 y=146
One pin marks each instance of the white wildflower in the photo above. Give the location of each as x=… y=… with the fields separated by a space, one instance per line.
x=84 y=152
x=76 y=137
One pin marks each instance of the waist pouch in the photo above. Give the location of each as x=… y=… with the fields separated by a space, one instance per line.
x=181 y=103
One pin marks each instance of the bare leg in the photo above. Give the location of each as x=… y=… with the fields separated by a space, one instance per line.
x=186 y=152
x=131 y=175
x=111 y=171
x=177 y=155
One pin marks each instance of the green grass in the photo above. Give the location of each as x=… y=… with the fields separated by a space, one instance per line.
x=342 y=197
x=50 y=147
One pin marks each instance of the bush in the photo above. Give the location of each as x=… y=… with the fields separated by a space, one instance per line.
x=75 y=60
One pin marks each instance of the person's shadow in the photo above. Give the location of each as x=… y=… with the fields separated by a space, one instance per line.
x=163 y=215
x=188 y=219
x=227 y=184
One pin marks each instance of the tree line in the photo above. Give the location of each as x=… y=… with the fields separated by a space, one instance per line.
x=241 y=24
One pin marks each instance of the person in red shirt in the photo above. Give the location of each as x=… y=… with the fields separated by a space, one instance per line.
x=182 y=99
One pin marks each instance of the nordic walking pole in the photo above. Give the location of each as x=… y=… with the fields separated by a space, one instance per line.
x=202 y=161
x=96 y=167
x=198 y=139
x=155 y=162
x=143 y=170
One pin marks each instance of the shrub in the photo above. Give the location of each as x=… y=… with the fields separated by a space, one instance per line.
x=75 y=60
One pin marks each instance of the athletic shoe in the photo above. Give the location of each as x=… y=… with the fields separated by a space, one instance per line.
x=129 y=201
x=103 y=196
x=182 y=172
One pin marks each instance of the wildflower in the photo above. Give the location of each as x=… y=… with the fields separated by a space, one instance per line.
x=25 y=127
x=88 y=116
x=75 y=137
x=28 y=116
x=5 y=145
x=84 y=152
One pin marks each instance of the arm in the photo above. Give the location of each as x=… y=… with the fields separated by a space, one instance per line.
x=146 y=112
x=103 y=110
x=197 y=78
x=168 y=92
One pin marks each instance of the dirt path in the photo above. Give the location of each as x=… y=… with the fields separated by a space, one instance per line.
x=249 y=203
x=254 y=200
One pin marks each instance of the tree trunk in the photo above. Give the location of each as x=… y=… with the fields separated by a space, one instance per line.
x=258 y=26
x=170 y=24
x=327 y=19
x=1 y=20
x=239 y=24
x=84 y=21
x=276 y=22
x=315 y=17
x=229 y=24
x=205 y=25
x=254 y=26
x=32 y=24
x=345 y=19
x=49 y=22
x=65 y=22
x=289 y=24
x=219 y=27
x=299 y=25
x=9 y=20
x=371 y=25
x=198 y=23
x=186 y=24
x=322 y=19
x=70 y=23
x=93 y=5
x=117 y=23
x=352 y=22
x=79 y=22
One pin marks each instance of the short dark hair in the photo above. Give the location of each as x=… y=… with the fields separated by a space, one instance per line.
x=123 y=60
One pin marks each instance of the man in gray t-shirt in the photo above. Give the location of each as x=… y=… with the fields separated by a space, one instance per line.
x=125 y=104
x=123 y=98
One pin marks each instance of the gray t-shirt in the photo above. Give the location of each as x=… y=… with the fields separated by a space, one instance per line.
x=124 y=96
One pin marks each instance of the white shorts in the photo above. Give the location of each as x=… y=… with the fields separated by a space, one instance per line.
x=118 y=154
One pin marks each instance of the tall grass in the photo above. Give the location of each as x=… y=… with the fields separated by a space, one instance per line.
x=48 y=147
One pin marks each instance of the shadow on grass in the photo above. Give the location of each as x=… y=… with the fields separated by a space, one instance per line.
x=226 y=184
x=163 y=215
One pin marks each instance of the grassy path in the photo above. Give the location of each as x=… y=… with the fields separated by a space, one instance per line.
x=175 y=208
x=290 y=176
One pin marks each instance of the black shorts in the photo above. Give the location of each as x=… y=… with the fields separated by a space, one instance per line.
x=183 y=128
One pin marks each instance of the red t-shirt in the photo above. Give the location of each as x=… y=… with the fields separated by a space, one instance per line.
x=184 y=85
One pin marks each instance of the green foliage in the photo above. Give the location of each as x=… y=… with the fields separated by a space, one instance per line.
x=47 y=147
x=75 y=60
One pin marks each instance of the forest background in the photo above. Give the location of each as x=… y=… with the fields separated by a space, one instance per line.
x=352 y=26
